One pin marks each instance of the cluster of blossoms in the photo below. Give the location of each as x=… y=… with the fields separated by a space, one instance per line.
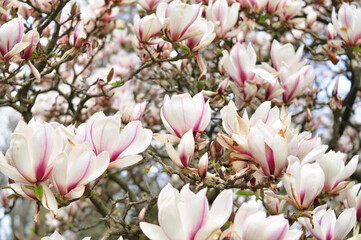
x=68 y=157
x=193 y=66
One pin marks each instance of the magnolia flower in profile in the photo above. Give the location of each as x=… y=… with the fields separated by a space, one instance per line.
x=251 y=223
x=78 y=38
x=76 y=168
x=182 y=113
x=185 y=215
x=347 y=23
x=202 y=40
x=33 y=38
x=325 y=226
x=240 y=64
x=351 y=198
x=146 y=28
x=5 y=197
x=11 y=35
x=331 y=32
x=303 y=183
x=285 y=56
x=177 y=18
x=273 y=204
x=32 y=153
x=123 y=143
x=336 y=171
x=290 y=8
x=223 y=16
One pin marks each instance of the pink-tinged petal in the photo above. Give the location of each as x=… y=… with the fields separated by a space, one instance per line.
x=59 y=175
x=173 y=155
x=349 y=169
x=264 y=74
x=230 y=68
x=277 y=227
x=75 y=193
x=18 y=155
x=229 y=117
x=252 y=226
x=222 y=207
x=167 y=192
x=312 y=181
x=166 y=137
x=34 y=71
x=328 y=224
x=97 y=167
x=10 y=171
x=345 y=222
x=44 y=147
x=134 y=139
x=203 y=112
x=242 y=215
x=170 y=219
x=186 y=148
x=152 y=231
x=180 y=113
x=262 y=113
x=207 y=231
x=103 y=133
x=194 y=213
x=11 y=33
x=16 y=50
x=33 y=38
x=123 y=162
x=49 y=200
x=280 y=154
x=314 y=154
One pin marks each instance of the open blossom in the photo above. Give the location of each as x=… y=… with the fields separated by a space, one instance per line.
x=182 y=113
x=240 y=64
x=177 y=18
x=251 y=223
x=202 y=40
x=223 y=16
x=11 y=35
x=146 y=27
x=351 y=198
x=324 y=225
x=76 y=168
x=185 y=215
x=285 y=56
x=123 y=143
x=133 y=112
x=303 y=183
x=347 y=24
x=336 y=171
x=32 y=152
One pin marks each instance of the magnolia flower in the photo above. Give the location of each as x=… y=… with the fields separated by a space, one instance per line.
x=303 y=183
x=78 y=38
x=203 y=166
x=333 y=165
x=76 y=168
x=182 y=113
x=324 y=225
x=347 y=24
x=123 y=143
x=351 y=198
x=203 y=39
x=296 y=84
x=290 y=8
x=177 y=18
x=32 y=153
x=273 y=204
x=223 y=16
x=251 y=223
x=33 y=38
x=285 y=56
x=146 y=27
x=11 y=34
x=240 y=64
x=185 y=215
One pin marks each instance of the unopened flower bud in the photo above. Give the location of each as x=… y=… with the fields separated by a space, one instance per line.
x=141 y=214
x=273 y=204
x=203 y=166
x=331 y=32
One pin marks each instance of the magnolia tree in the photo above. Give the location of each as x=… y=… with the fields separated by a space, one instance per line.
x=181 y=120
